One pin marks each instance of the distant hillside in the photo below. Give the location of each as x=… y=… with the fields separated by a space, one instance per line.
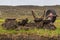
x=17 y=11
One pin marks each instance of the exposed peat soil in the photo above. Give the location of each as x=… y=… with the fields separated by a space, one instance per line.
x=27 y=37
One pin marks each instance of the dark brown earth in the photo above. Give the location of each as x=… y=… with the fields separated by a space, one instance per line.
x=27 y=37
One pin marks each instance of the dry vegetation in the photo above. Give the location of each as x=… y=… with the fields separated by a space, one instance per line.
x=18 y=11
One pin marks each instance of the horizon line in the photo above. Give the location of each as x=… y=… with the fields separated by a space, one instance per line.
x=29 y=5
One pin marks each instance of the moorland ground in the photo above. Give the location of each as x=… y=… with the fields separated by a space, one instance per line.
x=21 y=12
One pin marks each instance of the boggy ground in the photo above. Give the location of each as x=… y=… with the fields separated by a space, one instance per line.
x=27 y=37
